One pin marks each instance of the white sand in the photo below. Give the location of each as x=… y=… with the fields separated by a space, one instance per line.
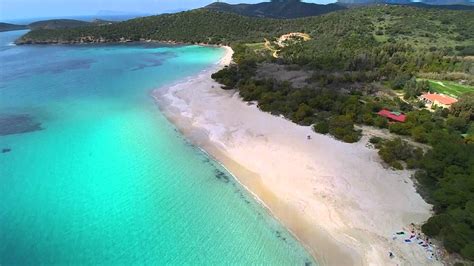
x=335 y=197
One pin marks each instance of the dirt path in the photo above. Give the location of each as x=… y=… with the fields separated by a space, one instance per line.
x=268 y=46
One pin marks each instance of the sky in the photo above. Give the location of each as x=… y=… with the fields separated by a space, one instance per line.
x=21 y=9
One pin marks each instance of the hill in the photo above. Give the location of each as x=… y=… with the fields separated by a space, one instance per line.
x=54 y=24
x=363 y=3
x=197 y=26
x=407 y=2
x=448 y=2
x=450 y=6
x=347 y=30
x=10 y=27
x=57 y=24
x=276 y=9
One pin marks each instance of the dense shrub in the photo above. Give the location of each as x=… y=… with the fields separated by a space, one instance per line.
x=447 y=176
x=342 y=127
x=395 y=151
x=321 y=127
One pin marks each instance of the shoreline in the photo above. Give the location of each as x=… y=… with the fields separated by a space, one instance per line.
x=330 y=195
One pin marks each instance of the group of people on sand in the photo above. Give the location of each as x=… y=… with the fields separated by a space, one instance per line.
x=413 y=235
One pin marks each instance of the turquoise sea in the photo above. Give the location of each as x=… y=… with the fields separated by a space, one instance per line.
x=92 y=173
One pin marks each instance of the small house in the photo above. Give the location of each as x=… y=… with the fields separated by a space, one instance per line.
x=436 y=99
x=392 y=116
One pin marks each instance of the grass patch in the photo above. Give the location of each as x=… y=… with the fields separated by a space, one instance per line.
x=256 y=46
x=449 y=88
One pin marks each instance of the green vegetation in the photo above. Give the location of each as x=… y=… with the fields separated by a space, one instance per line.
x=58 y=24
x=277 y=9
x=336 y=36
x=256 y=46
x=447 y=179
x=332 y=112
x=445 y=173
x=396 y=152
x=197 y=26
x=342 y=127
x=464 y=109
x=450 y=88
x=413 y=88
x=53 y=24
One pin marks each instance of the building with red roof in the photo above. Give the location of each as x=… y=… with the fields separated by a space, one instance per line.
x=438 y=99
x=393 y=116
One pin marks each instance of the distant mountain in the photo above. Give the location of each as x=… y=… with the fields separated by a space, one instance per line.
x=10 y=27
x=450 y=7
x=282 y=9
x=448 y=2
x=424 y=3
x=368 y=2
x=361 y=3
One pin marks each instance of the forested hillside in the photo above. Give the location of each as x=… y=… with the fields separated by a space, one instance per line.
x=362 y=34
x=348 y=31
x=277 y=9
x=58 y=24
x=197 y=26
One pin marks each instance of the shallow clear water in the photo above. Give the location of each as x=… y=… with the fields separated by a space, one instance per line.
x=102 y=177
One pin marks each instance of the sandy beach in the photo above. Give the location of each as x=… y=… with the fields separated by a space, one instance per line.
x=337 y=198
